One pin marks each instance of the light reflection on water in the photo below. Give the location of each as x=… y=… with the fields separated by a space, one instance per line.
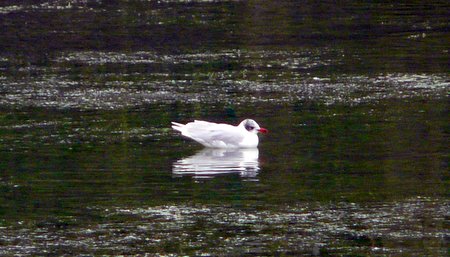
x=210 y=162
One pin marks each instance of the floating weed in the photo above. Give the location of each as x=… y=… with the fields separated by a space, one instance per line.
x=294 y=229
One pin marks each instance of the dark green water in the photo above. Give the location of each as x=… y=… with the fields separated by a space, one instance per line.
x=354 y=95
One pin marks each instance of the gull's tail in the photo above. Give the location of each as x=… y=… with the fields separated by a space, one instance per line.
x=178 y=126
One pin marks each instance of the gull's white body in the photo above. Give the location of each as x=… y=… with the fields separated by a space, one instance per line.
x=219 y=135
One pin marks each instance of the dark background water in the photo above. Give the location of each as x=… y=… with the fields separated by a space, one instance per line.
x=354 y=95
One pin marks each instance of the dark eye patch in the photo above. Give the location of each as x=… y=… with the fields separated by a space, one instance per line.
x=249 y=128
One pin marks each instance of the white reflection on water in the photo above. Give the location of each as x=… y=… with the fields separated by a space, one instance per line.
x=211 y=162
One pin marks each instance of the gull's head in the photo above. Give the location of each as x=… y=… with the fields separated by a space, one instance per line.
x=253 y=127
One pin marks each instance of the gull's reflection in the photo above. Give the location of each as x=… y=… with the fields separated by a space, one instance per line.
x=211 y=162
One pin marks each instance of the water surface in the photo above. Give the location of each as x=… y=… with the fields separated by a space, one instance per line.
x=354 y=96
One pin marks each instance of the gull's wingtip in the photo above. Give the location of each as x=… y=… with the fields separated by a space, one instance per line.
x=177 y=126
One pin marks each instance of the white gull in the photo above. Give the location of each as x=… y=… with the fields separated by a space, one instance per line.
x=220 y=135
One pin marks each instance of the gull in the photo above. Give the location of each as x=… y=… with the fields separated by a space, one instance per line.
x=220 y=135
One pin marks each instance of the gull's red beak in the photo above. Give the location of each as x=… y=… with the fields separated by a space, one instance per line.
x=263 y=130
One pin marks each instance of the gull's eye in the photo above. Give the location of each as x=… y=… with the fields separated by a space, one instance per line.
x=249 y=128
